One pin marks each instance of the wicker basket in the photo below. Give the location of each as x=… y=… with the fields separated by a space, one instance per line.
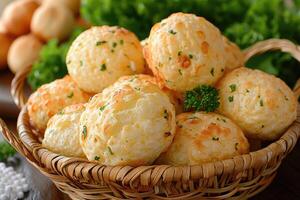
x=239 y=178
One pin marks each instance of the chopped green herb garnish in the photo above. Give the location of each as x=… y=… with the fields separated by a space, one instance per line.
x=232 y=87
x=102 y=108
x=84 y=131
x=247 y=91
x=191 y=56
x=261 y=102
x=222 y=70
x=236 y=146
x=100 y=43
x=121 y=42
x=179 y=53
x=212 y=71
x=167 y=134
x=262 y=126
x=61 y=112
x=81 y=63
x=172 y=32
x=110 y=151
x=203 y=98
x=103 y=67
x=170 y=58
x=230 y=98
x=112 y=50
x=137 y=88
x=166 y=114
x=6 y=151
x=97 y=157
x=180 y=72
x=114 y=44
x=286 y=98
x=70 y=95
x=215 y=138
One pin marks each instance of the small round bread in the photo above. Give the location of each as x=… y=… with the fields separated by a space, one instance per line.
x=130 y=123
x=52 y=21
x=204 y=137
x=17 y=16
x=24 y=51
x=73 y=5
x=5 y=43
x=185 y=51
x=234 y=57
x=261 y=104
x=51 y=98
x=101 y=55
x=62 y=133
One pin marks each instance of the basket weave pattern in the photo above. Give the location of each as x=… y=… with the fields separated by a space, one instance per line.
x=240 y=177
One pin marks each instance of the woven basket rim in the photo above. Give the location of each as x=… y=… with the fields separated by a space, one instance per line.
x=259 y=158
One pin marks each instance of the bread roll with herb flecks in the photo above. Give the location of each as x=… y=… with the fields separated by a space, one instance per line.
x=204 y=137
x=130 y=123
x=261 y=104
x=101 y=55
x=62 y=133
x=51 y=98
x=185 y=51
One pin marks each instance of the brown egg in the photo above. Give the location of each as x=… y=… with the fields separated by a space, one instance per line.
x=73 y=5
x=52 y=21
x=5 y=41
x=17 y=16
x=24 y=52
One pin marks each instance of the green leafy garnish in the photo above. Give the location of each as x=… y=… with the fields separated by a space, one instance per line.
x=215 y=138
x=103 y=67
x=203 y=98
x=70 y=95
x=100 y=43
x=172 y=32
x=6 y=151
x=230 y=98
x=97 y=157
x=110 y=151
x=84 y=131
x=232 y=87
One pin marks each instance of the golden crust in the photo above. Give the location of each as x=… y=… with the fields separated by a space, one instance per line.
x=17 y=16
x=18 y=58
x=234 y=57
x=51 y=98
x=130 y=123
x=101 y=55
x=261 y=104
x=60 y=22
x=73 y=5
x=204 y=137
x=62 y=133
x=5 y=42
x=180 y=64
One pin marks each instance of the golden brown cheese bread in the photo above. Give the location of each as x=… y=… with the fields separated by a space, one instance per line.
x=52 y=21
x=234 y=57
x=5 y=43
x=24 y=51
x=62 y=133
x=185 y=51
x=51 y=98
x=130 y=123
x=204 y=137
x=261 y=104
x=73 y=5
x=17 y=16
x=101 y=55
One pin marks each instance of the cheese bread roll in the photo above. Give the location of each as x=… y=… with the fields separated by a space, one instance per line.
x=204 y=137
x=101 y=55
x=52 y=22
x=62 y=133
x=261 y=104
x=130 y=123
x=5 y=43
x=185 y=51
x=51 y=98
x=234 y=57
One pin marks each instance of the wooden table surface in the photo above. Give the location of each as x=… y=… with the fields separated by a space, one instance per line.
x=285 y=186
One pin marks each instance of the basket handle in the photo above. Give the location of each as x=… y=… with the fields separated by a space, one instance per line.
x=14 y=139
x=275 y=44
x=17 y=87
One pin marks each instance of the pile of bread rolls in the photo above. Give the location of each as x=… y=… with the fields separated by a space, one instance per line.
x=134 y=115
x=25 y=25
